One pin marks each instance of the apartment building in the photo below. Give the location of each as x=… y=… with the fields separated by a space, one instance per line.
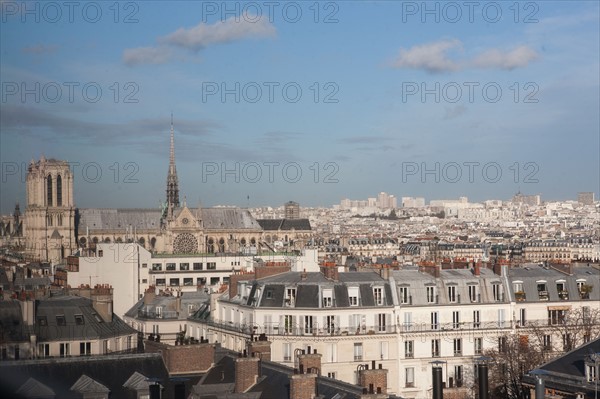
x=403 y=319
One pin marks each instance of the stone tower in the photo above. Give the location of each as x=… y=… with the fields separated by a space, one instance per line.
x=49 y=224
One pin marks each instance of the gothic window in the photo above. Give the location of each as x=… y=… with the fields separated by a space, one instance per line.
x=221 y=245
x=185 y=243
x=49 y=190
x=211 y=246
x=58 y=191
x=153 y=242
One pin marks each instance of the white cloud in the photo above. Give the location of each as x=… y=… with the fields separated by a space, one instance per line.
x=517 y=58
x=431 y=57
x=233 y=28
x=145 y=55
x=199 y=37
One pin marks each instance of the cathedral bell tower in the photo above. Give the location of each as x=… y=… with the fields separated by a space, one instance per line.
x=49 y=223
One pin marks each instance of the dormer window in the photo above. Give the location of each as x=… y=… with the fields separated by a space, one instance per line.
x=378 y=295
x=269 y=294
x=591 y=368
x=431 y=296
x=79 y=319
x=290 y=297
x=404 y=294
x=353 y=296
x=60 y=320
x=452 y=298
x=542 y=289
x=561 y=287
x=327 y=298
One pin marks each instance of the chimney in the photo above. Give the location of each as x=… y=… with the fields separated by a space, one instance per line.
x=28 y=312
x=482 y=371
x=102 y=301
x=437 y=271
x=246 y=373
x=303 y=386
x=260 y=348
x=149 y=295
x=374 y=379
x=310 y=361
x=477 y=269
x=303 y=275
x=384 y=272
x=438 y=392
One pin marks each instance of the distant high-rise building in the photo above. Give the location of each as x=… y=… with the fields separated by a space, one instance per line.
x=532 y=200
x=292 y=210
x=586 y=198
x=413 y=202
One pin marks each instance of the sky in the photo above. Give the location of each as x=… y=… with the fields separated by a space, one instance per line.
x=305 y=101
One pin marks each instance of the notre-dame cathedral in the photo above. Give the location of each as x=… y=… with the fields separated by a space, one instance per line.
x=54 y=228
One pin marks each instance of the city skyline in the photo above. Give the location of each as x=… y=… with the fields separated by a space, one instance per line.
x=396 y=106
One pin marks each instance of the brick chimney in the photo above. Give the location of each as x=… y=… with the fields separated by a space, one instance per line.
x=149 y=295
x=102 y=301
x=310 y=362
x=330 y=270
x=374 y=380
x=260 y=347
x=246 y=373
x=477 y=268
x=303 y=386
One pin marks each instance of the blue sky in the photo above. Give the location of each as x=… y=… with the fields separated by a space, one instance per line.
x=489 y=100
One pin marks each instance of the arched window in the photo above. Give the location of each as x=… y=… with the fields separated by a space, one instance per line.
x=49 y=190
x=58 y=191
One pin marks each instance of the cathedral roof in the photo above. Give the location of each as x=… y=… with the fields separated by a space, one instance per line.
x=149 y=219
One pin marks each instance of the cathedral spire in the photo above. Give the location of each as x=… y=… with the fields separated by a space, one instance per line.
x=172 y=181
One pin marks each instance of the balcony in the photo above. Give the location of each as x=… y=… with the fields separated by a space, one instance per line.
x=520 y=296
x=543 y=295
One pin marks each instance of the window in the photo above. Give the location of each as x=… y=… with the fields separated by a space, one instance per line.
x=144 y=265
x=409 y=349
x=79 y=319
x=383 y=349
x=547 y=342
x=327 y=298
x=567 y=342
x=473 y=297
x=60 y=320
x=522 y=318
x=144 y=281
x=435 y=321
x=591 y=373
x=556 y=316
x=174 y=282
x=455 y=319
x=200 y=281
x=478 y=345
x=381 y=322
x=158 y=311
x=65 y=349
x=215 y=280
x=431 y=294
x=287 y=352
x=404 y=295
x=85 y=348
x=378 y=295
x=476 y=319
x=542 y=290
x=562 y=290
x=497 y=292
x=188 y=281
x=331 y=374
x=308 y=324
x=42 y=321
x=501 y=318
x=160 y=281
x=184 y=266
x=358 y=351
x=331 y=353
x=457 y=347
x=353 y=296
x=458 y=375
x=408 y=321
x=157 y=266
x=435 y=348
x=502 y=344
x=330 y=324
x=170 y=266
x=129 y=341
x=290 y=296
x=288 y=323
x=452 y=294
x=410 y=377
x=197 y=266
x=44 y=350
x=211 y=265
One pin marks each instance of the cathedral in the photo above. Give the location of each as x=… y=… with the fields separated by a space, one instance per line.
x=54 y=228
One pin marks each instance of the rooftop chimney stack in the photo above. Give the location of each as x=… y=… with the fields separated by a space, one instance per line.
x=374 y=379
x=102 y=301
x=246 y=373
